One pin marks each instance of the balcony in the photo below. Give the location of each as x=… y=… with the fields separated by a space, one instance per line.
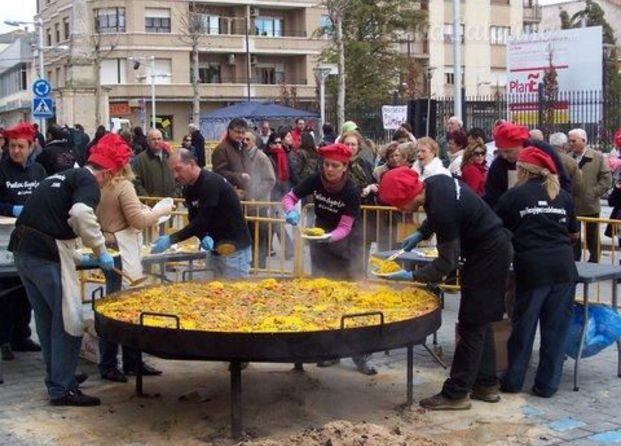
x=532 y=12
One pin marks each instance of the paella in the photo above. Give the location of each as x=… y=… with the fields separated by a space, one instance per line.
x=267 y=306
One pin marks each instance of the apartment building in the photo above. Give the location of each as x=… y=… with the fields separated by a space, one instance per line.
x=15 y=77
x=268 y=46
x=485 y=29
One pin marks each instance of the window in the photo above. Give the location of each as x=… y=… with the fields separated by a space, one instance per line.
x=57 y=32
x=210 y=74
x=210 y=24
x=268 y=26
x=449 y=78
x=157 y=20
x=58 y=78
x=163 y=72
x=67 y=31
x=14 y=80
x=48 y=33
x=529 y=28
x=113 y=71
x=529 y=3
x=448 y=33
x=110 y=20
x=499 y=35
x=270 y=75
x=325 y=23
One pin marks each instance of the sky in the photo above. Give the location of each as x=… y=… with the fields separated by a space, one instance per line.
x=16 y=10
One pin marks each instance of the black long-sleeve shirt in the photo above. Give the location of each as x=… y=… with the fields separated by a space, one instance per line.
x=497 y=182
x=17 y=183
x=214 y=209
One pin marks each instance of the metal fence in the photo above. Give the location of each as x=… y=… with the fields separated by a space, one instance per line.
x=599 y=114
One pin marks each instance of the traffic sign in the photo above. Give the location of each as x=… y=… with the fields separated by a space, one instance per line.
x=41 y=88
x=42 y=107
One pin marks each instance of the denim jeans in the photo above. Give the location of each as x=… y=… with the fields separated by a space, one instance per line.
x=108 y=351
x=551 y=307
x=42 y=281
x=236 y=265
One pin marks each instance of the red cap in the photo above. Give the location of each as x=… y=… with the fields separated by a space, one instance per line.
x=400 y=186
x=508 y=135
x=111 y=152
x=537 y=157
x=618 y=138
x=23 y=130
x=166 y=147
x=337 y=152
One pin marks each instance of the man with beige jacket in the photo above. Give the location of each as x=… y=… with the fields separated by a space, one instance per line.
x=596 y=180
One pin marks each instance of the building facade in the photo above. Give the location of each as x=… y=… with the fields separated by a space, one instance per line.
x=485 y=29
x=270 y=46
x=15 y=77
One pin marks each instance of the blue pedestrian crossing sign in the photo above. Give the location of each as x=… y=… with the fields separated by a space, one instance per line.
x=42 y=107
x=41 y=88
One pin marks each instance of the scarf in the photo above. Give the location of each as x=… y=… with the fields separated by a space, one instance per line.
x=334 y=188
x=282 y=164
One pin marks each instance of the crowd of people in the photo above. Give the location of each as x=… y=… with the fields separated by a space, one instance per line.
x=490 y=201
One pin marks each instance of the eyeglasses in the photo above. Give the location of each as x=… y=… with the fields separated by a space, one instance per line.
x=478 y=153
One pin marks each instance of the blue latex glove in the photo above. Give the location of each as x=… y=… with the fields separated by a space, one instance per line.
x=399 y=275
x=412 y=240
x=17 y=209
x=293 y=217
x=207 y=243
x=87 y=260
x=161 y=244
x=105 y=261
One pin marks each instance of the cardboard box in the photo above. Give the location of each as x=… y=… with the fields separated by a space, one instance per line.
x=502 y=331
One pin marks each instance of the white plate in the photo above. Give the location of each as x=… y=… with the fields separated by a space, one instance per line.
x=316 y=237
x=160 y=204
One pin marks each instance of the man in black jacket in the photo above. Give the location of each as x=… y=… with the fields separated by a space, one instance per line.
x=58 y=155
x=502 y=175
x=198 y=142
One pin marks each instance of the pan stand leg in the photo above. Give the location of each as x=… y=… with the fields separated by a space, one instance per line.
x=435 y=356
x=139 y=390
x=410 y=375
x=236 y=403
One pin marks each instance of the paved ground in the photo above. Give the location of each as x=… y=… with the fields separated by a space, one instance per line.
x=591 y=416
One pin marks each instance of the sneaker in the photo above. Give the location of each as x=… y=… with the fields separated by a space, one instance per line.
x=328 y=363
x=7 y=352
x=114 y=375
x=488 y=394
x=75 y=397
x=146 y=370
x=440 y=402
x=27 y=345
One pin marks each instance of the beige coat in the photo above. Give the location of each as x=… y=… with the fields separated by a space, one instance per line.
x=596 y=181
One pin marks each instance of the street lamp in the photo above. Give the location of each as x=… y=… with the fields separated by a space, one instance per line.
x=152 y=75
x=429 y=74
x=321 y=73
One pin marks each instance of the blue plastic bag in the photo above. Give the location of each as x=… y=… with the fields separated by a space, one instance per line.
x=603 y=330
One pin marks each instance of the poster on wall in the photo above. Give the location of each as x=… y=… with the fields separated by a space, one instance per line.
x=575 y=54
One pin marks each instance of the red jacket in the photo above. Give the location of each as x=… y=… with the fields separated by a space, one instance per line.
x=474 y=176
x=296 y=136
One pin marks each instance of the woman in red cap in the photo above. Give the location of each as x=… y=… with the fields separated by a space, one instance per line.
x=337 y=207
x=122 y=218
x=465 y=227
x=19 y=176
x=541 y=216
x=510 y=139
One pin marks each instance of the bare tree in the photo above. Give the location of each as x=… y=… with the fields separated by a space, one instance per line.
x=336 y=11
x=191 y=31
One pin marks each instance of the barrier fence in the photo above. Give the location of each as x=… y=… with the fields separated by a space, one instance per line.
x=278 y=248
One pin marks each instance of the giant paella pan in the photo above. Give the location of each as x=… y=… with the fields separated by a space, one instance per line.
x=300 y=320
